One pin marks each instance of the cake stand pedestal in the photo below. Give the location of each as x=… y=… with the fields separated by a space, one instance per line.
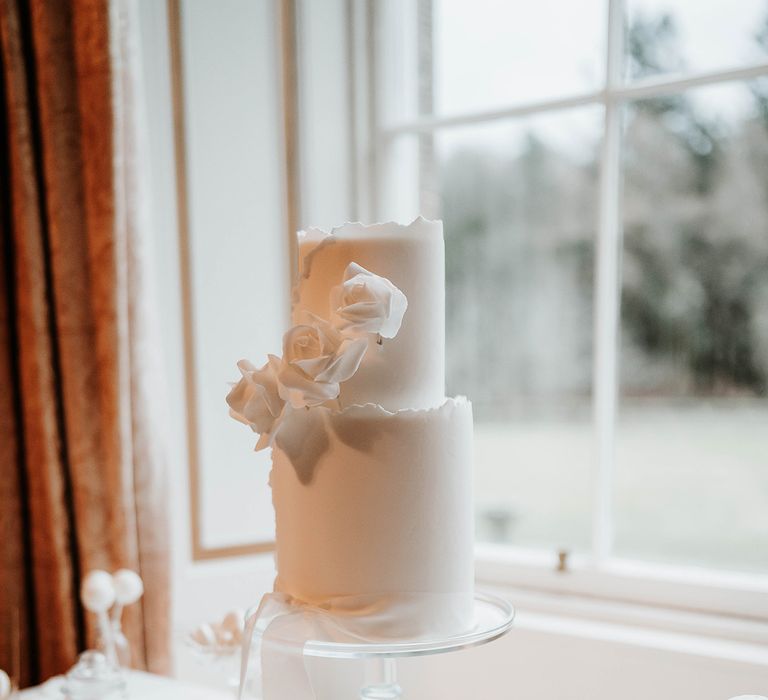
x=493 y=615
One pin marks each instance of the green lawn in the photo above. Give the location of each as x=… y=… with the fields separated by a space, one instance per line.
x=691 y=483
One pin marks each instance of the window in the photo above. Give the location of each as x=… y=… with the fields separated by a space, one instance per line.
x=602 y=173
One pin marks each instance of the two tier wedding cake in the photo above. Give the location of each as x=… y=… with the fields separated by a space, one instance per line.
x=372 y=464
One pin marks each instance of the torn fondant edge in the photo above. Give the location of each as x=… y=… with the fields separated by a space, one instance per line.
x=390 y=229
x=374 y=409
x=306 y=436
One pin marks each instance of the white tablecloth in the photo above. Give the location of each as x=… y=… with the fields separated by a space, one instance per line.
x=141 y=686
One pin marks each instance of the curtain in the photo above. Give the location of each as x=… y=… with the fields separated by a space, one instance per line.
x=81 y=471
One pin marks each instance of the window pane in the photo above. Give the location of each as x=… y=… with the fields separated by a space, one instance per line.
x=492 y=53
x=692 y=439
x=236 y=245
x=518 y=203
x=669 y=36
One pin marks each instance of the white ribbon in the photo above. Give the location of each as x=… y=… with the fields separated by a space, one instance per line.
x=284 y=625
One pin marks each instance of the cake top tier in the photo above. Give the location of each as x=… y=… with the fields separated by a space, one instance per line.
x=407 y=371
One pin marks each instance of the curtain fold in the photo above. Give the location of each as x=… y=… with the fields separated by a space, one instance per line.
x=82 y=482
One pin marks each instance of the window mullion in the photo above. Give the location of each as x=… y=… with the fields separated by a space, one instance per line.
x=607 y=291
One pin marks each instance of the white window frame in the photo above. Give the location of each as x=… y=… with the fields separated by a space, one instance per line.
x=741 y=597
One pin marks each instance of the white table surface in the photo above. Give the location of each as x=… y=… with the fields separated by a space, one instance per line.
x=141 y=686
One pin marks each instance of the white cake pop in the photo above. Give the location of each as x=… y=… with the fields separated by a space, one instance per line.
x=5 y=685
x=128 y=586
x=98 y=591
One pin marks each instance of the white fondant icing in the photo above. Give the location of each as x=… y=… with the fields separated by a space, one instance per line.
x=383 y=514
x=408 y=370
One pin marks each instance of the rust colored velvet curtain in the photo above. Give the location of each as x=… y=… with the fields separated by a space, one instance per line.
x=81 y=484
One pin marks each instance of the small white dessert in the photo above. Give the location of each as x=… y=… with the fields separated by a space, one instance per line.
x=205 y=635
x=222 y=634
x=233 y=622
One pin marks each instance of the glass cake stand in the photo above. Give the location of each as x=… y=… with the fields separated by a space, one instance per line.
x=494 y=616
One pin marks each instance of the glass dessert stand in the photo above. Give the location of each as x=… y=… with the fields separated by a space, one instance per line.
x=493 y=615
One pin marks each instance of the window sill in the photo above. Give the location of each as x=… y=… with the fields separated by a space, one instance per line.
x=689 y=601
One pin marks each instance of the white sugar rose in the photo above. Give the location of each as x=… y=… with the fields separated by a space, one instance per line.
x=255 y=399
x=367 y=303
x=316 y=358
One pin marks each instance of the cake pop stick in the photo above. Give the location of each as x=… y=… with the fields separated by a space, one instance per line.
x=98 y=595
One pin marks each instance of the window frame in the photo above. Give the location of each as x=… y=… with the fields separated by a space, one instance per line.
x=602 y=575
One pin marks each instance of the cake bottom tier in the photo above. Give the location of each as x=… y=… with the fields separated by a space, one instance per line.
x=378 y=522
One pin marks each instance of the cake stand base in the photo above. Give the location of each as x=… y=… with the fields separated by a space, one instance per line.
x=493 y=614
x=381 y=680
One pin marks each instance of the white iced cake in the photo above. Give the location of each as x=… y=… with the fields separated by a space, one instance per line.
x=372 y=464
